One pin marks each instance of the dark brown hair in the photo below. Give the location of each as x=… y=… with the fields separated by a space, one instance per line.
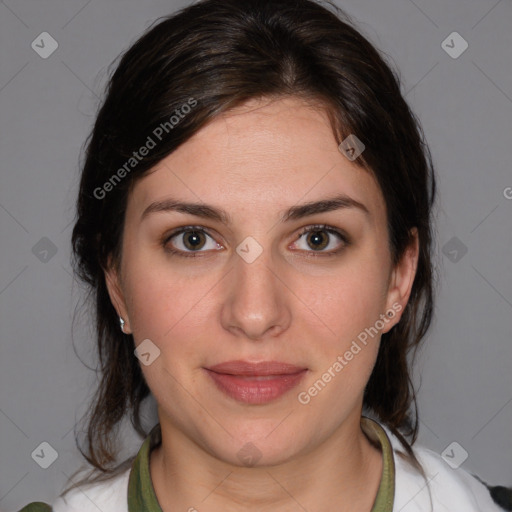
x=220 y=54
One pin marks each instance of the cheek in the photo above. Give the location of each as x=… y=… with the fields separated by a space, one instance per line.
x=164 y=304
x=349 y=300
x=343 y=360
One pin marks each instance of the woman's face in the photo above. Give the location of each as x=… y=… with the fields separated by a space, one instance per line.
x=250 y=285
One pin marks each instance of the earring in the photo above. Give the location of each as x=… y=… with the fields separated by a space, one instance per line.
x=121 y=323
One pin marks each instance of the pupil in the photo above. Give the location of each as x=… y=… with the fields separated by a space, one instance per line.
x=193 y=239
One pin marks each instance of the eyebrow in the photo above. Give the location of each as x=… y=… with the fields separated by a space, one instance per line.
x=294 y=213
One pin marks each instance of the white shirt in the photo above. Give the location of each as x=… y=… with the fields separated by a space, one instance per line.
x=452 y=490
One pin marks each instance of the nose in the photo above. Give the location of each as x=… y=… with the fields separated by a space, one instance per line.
x=257 y=301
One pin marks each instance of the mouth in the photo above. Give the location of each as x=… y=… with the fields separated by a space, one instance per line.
x=255 y=383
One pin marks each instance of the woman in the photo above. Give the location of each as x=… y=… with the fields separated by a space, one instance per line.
x=254 y=219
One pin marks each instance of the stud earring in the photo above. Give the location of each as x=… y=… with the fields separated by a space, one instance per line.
x=121 y=323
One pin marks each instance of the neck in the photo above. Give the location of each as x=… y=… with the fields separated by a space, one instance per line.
x=343 y=472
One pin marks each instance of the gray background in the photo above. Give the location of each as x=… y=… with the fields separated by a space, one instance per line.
x=47 y=107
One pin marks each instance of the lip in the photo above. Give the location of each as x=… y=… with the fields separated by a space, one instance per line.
x=263 y=368
x=255 y=383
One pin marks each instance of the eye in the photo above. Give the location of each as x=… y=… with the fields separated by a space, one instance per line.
x=319 y=237
x=192 y=239
x=189 y=240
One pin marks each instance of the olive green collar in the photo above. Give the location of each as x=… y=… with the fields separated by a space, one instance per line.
x=386 y=493
x=141 y=493
x=142 y=496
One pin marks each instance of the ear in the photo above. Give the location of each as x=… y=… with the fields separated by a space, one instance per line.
x=401 y=280
x=116 y=294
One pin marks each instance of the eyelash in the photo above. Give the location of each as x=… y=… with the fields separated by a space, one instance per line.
x=316 y=227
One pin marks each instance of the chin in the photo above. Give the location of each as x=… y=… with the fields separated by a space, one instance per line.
x=265 y=447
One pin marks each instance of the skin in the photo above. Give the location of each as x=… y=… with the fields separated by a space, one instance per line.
x=287 y=305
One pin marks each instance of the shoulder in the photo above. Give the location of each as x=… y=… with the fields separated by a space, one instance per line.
x=36 y=506
x=446 y=489
x=107 y=496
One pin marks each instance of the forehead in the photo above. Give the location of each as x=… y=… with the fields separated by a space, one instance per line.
x=263 y=155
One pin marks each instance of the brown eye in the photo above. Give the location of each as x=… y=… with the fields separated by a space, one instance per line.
x=189 y=240
x=321 y=237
